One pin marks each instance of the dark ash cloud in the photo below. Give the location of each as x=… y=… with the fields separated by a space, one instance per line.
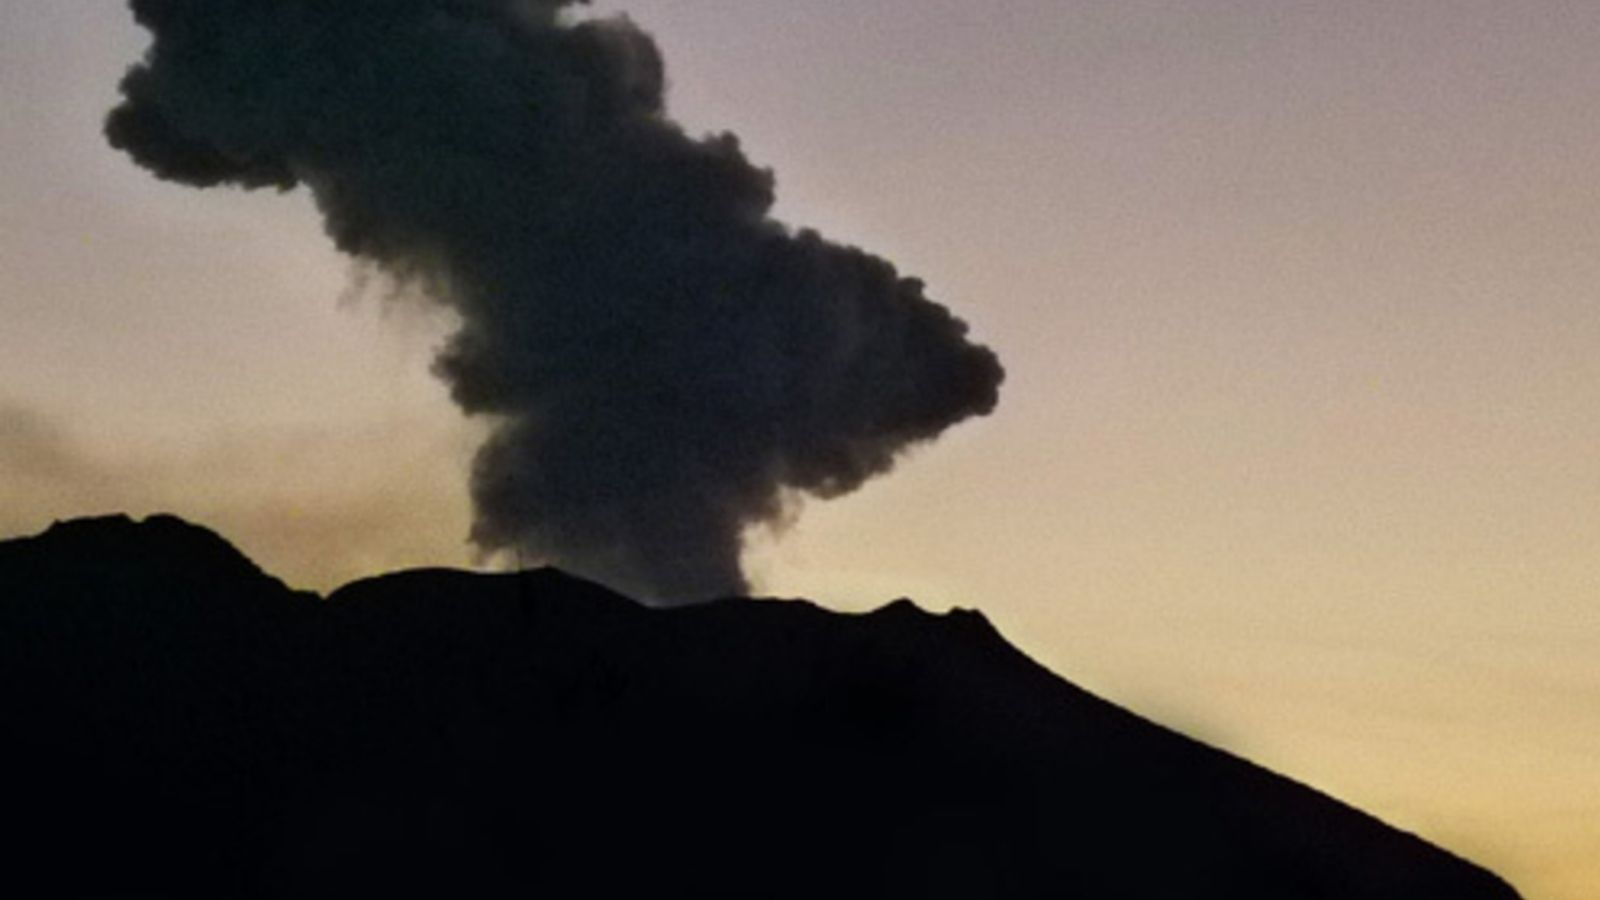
x=662 y=360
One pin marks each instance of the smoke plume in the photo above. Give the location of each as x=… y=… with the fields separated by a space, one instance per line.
x=662 y=361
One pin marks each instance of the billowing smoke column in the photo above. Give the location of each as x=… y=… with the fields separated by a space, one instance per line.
x=662 y=361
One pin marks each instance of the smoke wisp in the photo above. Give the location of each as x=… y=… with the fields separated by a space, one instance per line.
x=663 y=361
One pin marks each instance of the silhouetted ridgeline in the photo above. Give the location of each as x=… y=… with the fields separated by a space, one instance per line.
x=178 y=721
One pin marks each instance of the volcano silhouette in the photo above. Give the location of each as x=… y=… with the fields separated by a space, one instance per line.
x=179 y=723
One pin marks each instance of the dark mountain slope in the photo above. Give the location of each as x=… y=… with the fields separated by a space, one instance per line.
x=177 y=721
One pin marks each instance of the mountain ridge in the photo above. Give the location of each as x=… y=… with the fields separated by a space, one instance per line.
x=533 y=730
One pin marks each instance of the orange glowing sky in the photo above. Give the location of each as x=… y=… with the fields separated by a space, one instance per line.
x=1298 y=450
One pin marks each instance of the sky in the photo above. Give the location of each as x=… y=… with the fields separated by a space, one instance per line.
x=1296 y=451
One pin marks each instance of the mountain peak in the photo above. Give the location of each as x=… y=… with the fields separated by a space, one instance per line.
x=198 y=729
x=160 y=538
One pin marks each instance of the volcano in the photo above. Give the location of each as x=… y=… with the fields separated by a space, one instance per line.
x=177 y=722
